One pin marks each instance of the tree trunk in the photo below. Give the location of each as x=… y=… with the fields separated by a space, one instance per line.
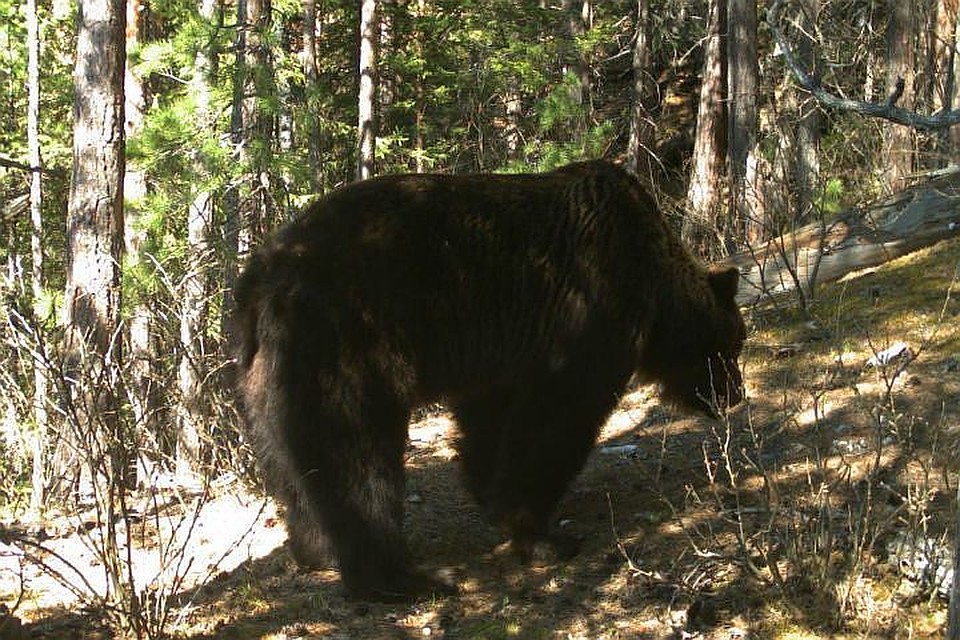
x=260 y=215
x=233 y=200
x=898 y=139
x=513 y=109
x=743 y=78
x=419 y=81
x=790 y=195
x=952 y=88
x=95 y=239
x=641 y=159
x=579 y=20
x=193 y=314
x=311 y=82
x=860 y=238
x=941 y=51
x=807 y=159
x=40 y=381
x=139 y=326
x=700 y=227
x=367 y=95
x=195 y=286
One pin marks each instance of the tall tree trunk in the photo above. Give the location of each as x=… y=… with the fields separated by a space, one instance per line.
x=898 y=139
x=420 y=107
x=311 y=82
x=95 y=240
x=807 y=170
x=195 y=286
x=193 y=314
x=579 y=20
x=640 y=153
x=248 y=204
x=743 y=78
x=260 y=216
x=944 y=69
x=954 y=146
x=513 y=110
x=940 y=51
x=40 y=381
x=367 y=95
x=700 y=227
x=233 y=198
x=139 y=326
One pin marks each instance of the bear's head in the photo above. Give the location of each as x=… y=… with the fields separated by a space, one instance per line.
x=695 y=356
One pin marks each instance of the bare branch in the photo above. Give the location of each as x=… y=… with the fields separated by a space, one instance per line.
x=10 y=163
x=886 y=110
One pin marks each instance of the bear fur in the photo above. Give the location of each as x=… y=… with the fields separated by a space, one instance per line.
x=523 y=302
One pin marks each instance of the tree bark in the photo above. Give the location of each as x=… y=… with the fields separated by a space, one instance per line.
x=807 y=160
x=513 y=110
x=195 y=286
x=743 y=78
x=640 y=146
x=367 y=95
x=709 y=146
x=311 y=82
x=193 y=313
x=95 y=235
x=858 y=239
x=898 y=139
x=140 y=324
x=40 y=381
x=941 y=52
x=232 y=200
x=261 y=215
x=419 y=82
x=579 y=20
x=951 y=97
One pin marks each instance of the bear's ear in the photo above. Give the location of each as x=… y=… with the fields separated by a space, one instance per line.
x=724 y=282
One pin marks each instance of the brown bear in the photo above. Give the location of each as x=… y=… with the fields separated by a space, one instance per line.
x=523 y=302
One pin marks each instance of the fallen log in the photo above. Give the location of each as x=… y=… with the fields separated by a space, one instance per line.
x=859 y=238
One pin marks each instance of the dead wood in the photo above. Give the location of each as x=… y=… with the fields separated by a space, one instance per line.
x=859 y=238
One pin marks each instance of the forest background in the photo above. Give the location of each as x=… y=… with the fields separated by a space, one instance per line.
x=146 y=146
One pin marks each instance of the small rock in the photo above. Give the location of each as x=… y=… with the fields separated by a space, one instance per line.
x=894 y=352
x=852 y=446
x=925 y=560
x=626 y=451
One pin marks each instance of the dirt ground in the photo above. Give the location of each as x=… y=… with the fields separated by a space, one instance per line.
x=803 y=515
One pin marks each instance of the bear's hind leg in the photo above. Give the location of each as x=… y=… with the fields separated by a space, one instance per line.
x=266 y=403
x=347 y=444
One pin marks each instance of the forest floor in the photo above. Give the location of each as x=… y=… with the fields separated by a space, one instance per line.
x=811 y=512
